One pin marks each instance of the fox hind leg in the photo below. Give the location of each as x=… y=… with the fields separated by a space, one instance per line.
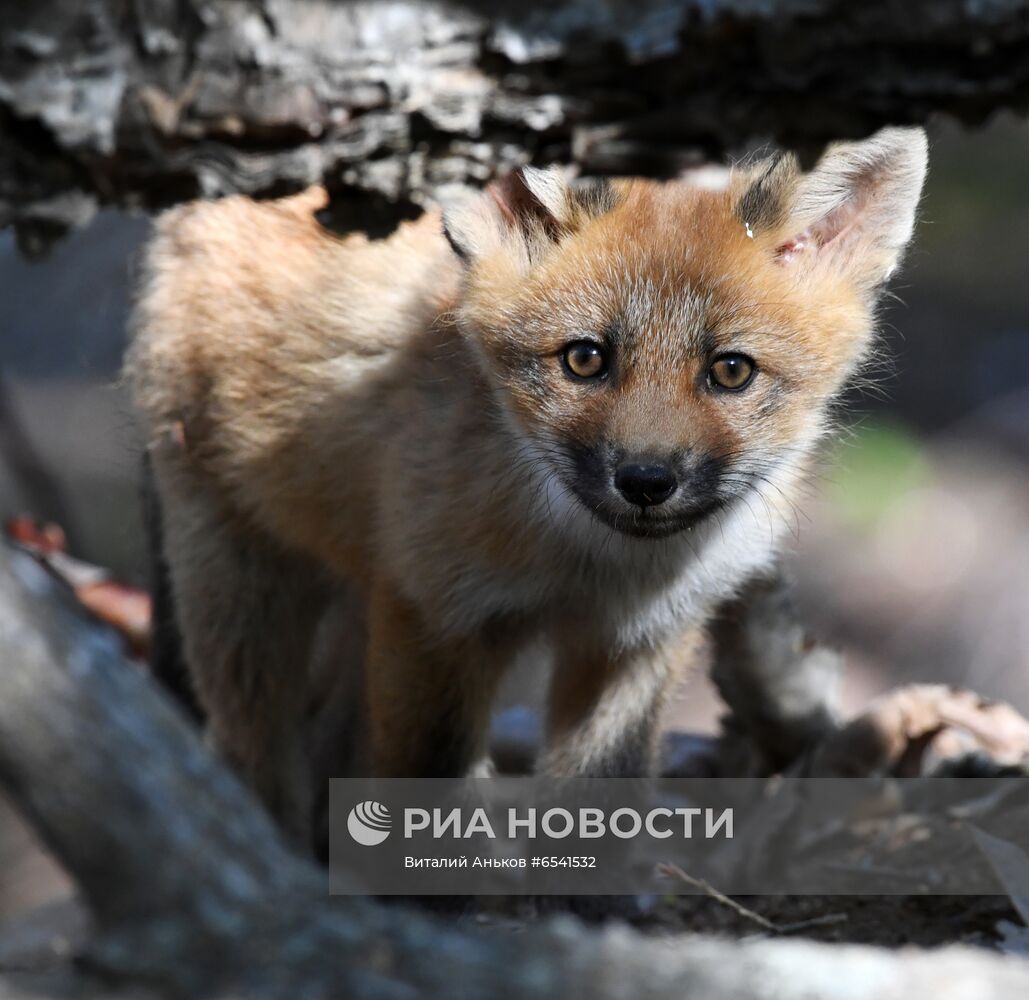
x=247 y=613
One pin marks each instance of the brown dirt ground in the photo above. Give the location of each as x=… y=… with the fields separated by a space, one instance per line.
x=889 y=921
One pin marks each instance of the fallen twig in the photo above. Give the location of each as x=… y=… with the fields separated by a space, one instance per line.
x=674 y=871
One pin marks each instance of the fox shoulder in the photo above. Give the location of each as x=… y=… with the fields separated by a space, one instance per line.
x=236 y=297
x=213 y=280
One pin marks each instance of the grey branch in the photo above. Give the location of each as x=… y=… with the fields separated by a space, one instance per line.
x=194 y=893
x=393 y=101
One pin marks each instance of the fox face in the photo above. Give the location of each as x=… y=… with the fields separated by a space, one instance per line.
x=666 y=351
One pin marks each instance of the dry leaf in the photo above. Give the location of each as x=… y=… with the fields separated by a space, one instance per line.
x=126 y=609
x=911 y=730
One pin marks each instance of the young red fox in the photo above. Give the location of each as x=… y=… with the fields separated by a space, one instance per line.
x=565 y=416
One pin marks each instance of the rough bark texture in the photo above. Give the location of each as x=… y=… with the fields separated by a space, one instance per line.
x=194 y=893
x=390 y=102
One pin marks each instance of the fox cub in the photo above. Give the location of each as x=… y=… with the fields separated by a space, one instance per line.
x=573 y=417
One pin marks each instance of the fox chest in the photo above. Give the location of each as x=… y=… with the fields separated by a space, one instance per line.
x=624 y=609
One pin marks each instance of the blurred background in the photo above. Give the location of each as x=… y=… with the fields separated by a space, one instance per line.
x=913 y=551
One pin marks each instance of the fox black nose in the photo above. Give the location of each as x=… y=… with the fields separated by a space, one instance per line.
x=645 y=485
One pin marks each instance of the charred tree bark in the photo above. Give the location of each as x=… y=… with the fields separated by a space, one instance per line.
x=194 y=893
x=390 y=102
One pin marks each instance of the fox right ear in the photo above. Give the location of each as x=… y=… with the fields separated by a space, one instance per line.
x=531 y=208
x=855 y=212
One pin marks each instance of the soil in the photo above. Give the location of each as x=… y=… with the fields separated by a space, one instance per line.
x=889 y=921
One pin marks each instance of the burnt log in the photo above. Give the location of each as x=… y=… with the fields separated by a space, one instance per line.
x=391 y=103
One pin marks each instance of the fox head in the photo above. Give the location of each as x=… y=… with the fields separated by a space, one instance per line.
x=664 y=350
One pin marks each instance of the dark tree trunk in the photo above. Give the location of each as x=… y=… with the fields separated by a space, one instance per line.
x=388 y=103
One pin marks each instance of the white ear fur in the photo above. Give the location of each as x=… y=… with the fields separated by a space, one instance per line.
x=550 y=188
x=855 y=212
x=530 y=202
x=473 y=227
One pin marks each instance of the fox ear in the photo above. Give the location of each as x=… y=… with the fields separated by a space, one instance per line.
x=536 y=206
x=855 y=212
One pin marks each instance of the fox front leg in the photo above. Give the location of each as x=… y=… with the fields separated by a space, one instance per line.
x=604 y=708
x=428 y=696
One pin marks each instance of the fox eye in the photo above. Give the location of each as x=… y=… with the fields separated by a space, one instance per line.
x=584 y=359
x=732 y=372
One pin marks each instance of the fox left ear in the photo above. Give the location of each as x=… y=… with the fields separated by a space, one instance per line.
x=535 y=206
x=855 y=212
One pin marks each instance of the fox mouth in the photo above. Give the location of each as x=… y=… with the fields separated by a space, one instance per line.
x=693 y=498
x=650 y=523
